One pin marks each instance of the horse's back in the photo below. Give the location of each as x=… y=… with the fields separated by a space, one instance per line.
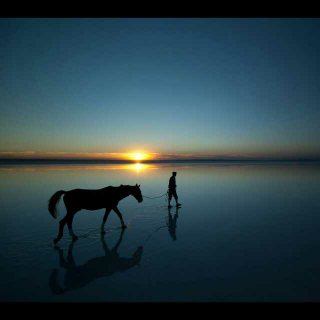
x=83 y=192
x=90 y=199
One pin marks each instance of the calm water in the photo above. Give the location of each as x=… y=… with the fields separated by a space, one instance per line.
x=245 y=232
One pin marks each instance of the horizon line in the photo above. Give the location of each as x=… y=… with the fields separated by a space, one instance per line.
x=297 y=159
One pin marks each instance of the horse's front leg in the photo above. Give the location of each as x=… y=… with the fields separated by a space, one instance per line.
x=105 y=219
x=116 y=210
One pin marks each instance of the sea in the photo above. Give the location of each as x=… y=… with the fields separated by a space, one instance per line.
x=246 y=231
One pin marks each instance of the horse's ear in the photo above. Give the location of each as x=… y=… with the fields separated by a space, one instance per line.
x=139 y=185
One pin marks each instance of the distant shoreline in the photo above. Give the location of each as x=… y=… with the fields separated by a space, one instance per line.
x=82 y=161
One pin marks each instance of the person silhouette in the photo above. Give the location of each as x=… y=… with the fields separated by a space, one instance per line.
x=172 y=190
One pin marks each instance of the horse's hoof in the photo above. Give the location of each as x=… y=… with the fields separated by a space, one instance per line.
x=55 y=241
x=124 y=227
x=103 y=232
x=75 y=238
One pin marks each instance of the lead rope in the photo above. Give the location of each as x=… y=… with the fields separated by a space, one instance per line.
x=166 y=194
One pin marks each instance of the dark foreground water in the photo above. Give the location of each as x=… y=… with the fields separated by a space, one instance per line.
x=245 y=232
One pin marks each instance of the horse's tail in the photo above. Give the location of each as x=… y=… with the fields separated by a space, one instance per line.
x=53 y=203
x=54 y=283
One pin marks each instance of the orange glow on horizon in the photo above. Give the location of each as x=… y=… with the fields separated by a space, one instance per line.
x=132 y=156
x=131 y=167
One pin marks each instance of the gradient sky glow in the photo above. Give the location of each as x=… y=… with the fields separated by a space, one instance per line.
x=172 y=87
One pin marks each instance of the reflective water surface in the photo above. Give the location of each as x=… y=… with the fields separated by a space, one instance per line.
x=245 y=232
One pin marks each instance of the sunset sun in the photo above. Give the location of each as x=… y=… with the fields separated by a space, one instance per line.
x=137 y=156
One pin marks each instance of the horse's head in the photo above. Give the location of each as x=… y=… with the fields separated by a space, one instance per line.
x=136 y=192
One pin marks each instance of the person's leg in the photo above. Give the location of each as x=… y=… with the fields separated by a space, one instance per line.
x=176 y=198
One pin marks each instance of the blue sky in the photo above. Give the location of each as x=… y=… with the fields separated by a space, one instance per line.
x=198 y=87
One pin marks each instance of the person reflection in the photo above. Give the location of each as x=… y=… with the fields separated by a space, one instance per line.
x=172 y=223
x=79 y=276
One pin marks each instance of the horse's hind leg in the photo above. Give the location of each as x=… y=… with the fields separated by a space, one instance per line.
x=69 y=222
x=71 y=211
x=61 y=226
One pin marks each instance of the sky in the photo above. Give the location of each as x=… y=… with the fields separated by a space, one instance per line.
x=171 y=88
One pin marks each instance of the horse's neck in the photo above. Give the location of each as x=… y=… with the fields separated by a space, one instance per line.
x=124 y=192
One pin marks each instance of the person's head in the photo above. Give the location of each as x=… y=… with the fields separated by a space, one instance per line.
x=174 y=173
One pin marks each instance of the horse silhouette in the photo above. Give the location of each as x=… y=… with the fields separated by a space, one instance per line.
x=77 y=277
x=78 y=199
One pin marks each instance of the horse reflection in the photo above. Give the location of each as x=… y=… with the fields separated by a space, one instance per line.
x=78 y=277
x=172 y=224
